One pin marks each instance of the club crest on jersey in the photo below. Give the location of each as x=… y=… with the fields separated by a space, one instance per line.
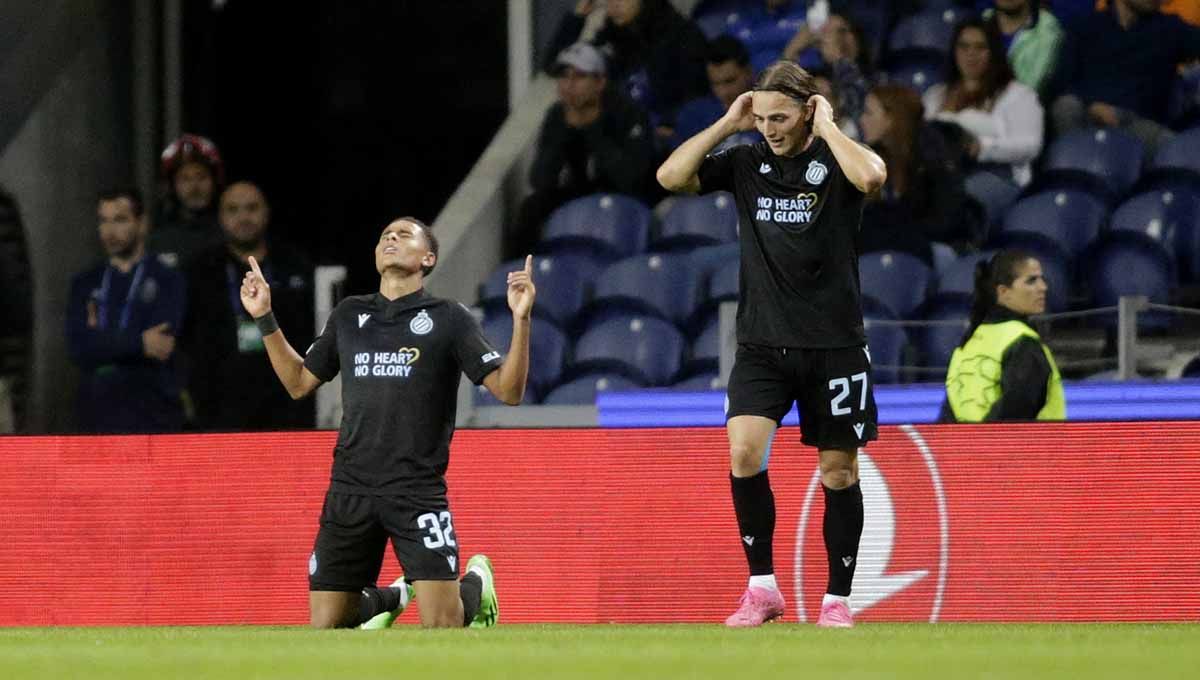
x=816 y=172
x=421 y=323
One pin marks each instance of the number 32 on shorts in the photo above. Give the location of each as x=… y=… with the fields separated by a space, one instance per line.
x=841 y=388
x=439 y=528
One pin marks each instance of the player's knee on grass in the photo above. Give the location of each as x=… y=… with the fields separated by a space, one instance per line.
x=440 y=604
x=328 y=609
x=839 y=469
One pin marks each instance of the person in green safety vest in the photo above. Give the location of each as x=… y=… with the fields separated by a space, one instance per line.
x=1002 y=370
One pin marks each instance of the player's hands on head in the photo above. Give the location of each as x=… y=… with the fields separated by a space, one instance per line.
x=741 y=112
x=256 y=294
x=521 y=290
x=157 y=342
x=822 y=112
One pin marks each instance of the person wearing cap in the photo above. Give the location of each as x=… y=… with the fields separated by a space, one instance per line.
x=187 y=223
x=592 y=140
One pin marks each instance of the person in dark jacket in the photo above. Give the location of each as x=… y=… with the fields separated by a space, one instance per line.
x=231 y=385
x=122 y=318
x=187 y=222
x=655 y=54
x=592 y=140
x=1003 y=370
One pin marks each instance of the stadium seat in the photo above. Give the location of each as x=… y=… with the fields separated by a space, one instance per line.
x=936 y=343
x=699 y=221
x=943 y=256
x=1182 y=153
x=642 y=348
x=885 y=342
x=920 y=71
x=547 y=348
x=1068 y=219
x=994 y=193
x=929 y=30
x=609 y=226
x=723 y=286
x=704 y=382
x=959 y=277
x=583 y=390
x=1166 y=217
x=564 y=284
x=1129 y=266
x=705 y=352
x=897 y=280
x=1103 y=161
x=660 y=284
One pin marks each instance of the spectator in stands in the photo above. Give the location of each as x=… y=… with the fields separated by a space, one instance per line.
x=924 y=199
x=121 y=323
x=842 y=48
x=592 y=140
x=1032 y=38
x=16 y=308
x=998 y=119
x=187 y=221
x=1118 y=67
x=654 y=54
x=231 y=384
x=1002 y=370
x=729 y=75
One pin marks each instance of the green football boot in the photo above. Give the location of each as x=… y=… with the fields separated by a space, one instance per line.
x=385 y=619
x=489 y=607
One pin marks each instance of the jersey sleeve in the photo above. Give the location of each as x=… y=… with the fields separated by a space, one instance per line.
x=717 y=170
x=322 y=358
x=475 y=355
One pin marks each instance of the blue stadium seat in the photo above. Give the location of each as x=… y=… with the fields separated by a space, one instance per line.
x=885 y=342
x=937 y=343
x=1129 y=266
x=705 y=353
x=723 y=286
x=582 y=390
x=897 y=280
x=704 y=382
x=959 y=278
x=610 y=226
x=920 y=71
x=1066 y=218
x=564 y=284
x=1181 y=153
x=660 y=284
x=994 y=193
x=1103 y=161
x=943 y=256
x=1166 y=217
x=642 y=348
x=547 y=349
x=927 y=30
x=699 y=221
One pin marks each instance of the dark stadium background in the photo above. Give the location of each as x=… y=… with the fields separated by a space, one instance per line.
x=347 y=113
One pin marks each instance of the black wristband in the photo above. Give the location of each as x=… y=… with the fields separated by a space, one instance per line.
x=266 y=324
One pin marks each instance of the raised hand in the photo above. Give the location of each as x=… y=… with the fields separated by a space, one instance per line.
x=822 y=112
x=256 y=294
x=521 y=290
x=741 y=112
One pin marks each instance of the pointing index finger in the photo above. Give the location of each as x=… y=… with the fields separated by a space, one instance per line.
x=254 y=266
x=529 y=265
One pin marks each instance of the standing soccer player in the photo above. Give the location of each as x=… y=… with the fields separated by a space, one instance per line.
x=400 y=353
x=799 y=324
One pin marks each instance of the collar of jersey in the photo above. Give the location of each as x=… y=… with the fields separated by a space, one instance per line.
x=394 y=308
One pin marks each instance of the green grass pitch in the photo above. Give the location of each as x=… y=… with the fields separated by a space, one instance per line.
x=1143 y=652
